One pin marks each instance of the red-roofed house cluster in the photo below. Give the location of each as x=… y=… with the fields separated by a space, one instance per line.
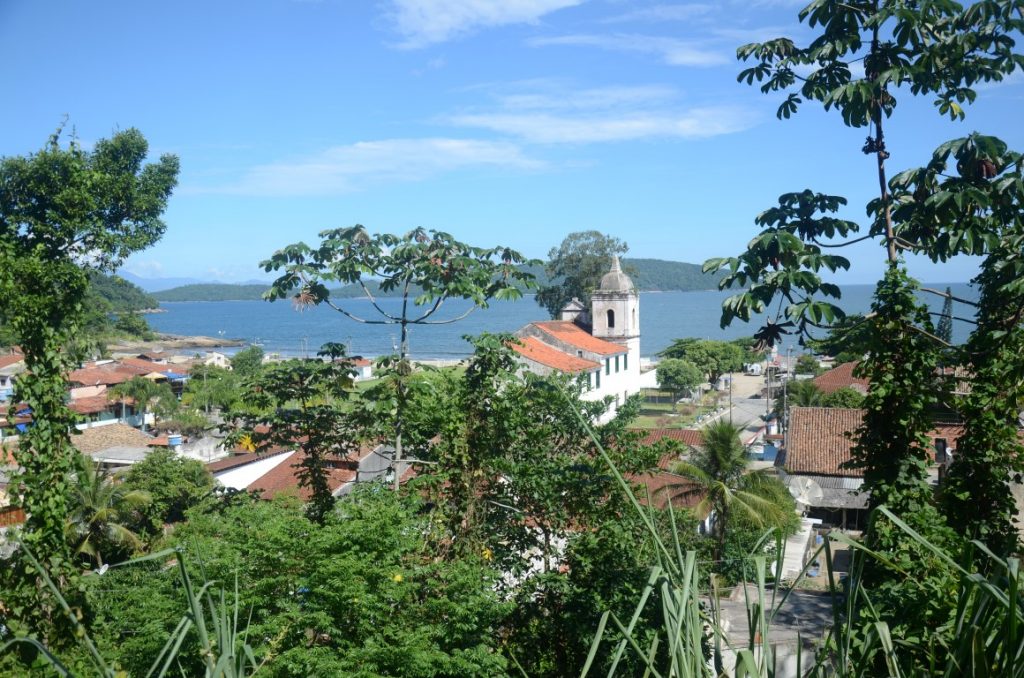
x=601 y=346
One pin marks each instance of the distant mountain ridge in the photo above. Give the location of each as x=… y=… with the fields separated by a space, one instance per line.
x=648 y=274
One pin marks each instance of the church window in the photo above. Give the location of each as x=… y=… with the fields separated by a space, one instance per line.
x=597 y=379
x=625 y=361
x=616 y=363
x=607 y=365
x=611 y=318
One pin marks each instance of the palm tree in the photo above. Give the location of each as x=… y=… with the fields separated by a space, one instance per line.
x=717 y=474
x=99 y=510
x=145 y=392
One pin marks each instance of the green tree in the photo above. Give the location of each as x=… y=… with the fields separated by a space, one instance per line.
x=248 y=362
x=677 y=376
x=845 y=397
x=145 y=393
x=807 y=364
x=712 y=357
x=298 y=404
x=173 y=484
x=211 y=387
x=64 y=210
x=575 y=268
x=718 y=477
x=100 y=514
x=133 y=324
x=425 y=268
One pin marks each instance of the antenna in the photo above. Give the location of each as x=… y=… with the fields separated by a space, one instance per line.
x=805 y=490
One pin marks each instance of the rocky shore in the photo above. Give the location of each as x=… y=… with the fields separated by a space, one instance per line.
x=175 y=342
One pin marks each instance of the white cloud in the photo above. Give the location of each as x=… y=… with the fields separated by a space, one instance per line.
x=144 y=268
x=344 y=169
x=670 y=50
x=426 y=22
x=554 y=113
x=548 y=128
x=657 y=13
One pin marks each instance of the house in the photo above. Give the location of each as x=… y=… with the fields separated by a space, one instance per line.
x=11 y=365
x=115 y=445
x=839 y=377
x=600 y=347
x=363 y=368
x=275 y=472
x=216 y=359
x=821 y=442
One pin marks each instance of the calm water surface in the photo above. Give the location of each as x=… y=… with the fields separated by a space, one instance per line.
x=664 y=316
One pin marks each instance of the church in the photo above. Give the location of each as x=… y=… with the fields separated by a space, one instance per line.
x=600 y=345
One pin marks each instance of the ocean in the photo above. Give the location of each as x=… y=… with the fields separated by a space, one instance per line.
x=664 y=316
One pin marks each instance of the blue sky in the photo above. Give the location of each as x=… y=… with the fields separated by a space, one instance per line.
x=507 y=122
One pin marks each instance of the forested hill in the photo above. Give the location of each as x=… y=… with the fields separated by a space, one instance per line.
x=121 y=295
x=648 y=274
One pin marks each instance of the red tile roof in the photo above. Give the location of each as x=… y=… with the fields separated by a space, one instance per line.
x=284 y=479
x=91 y=405
x=821 y=440
x=234 y=461
x=94 y=376
x=573 y=334
x=839 y=377
x=687 y=436
x=539 y=352
x=10 y=359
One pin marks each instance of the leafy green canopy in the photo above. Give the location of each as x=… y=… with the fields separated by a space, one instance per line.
x=64 y=211
x=575 y=268
x=712 y=357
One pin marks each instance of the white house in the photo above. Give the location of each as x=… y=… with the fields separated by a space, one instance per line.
x=602 y=346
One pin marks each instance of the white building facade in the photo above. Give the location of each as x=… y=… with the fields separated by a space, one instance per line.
x=602 y=346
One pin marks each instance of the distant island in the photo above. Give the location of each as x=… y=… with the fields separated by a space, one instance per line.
x=649 y=275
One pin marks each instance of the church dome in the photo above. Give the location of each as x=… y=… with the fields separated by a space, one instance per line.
x=615 y=280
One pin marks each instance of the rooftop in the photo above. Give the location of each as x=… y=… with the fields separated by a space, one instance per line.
x=573 y=334
x=539 y=352
x=841 y=376
x=99 y=438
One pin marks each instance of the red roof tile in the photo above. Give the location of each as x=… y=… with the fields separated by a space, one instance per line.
x=539 y=352
x=235 y=460
x=839 y=377
x=573 y=334
x=687 y=436
x=91 y=405
x=11 y=359
x=821 y=440
x=94 y=376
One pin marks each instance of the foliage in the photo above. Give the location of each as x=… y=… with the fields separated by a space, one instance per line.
x=146 y=392
x=120 y=295
x=63 y=211
x=358 y=595
x=425 y=267
x=808 y=364
x=211 y=387
x=718 y=479
x=678 y=376
x=248 y=362
x=575 y=268
x=845 y=397
x=173 y=483
x=133 y=324
x=101 y=511
x=712 y=357
x=297 y=404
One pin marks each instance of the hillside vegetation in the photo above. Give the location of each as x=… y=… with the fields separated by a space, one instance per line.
x=648 y=274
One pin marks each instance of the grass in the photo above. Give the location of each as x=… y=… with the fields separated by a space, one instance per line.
x=657 y=412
